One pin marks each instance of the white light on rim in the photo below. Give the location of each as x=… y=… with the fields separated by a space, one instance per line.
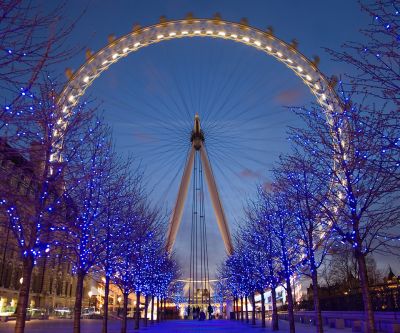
x=125 y=50
x=323 y=96
x=299 y=69
x=184 y=32
x=86 y=79
x=308 y=77
x=209 y=32
x=269 y=48
x=115 y=55
x=246 y=39
x=257 y=42
x=316 y=86
x=136 y=44
x=71 y=98
x=160 y=36
x=65 y=109
x=290 y=61
x=222 y=33
x=104 y=62
x=172 y=33
x=234 y=36
x=279 y=54
x=197 y=31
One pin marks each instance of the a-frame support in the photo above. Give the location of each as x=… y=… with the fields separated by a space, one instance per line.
x=176 y=216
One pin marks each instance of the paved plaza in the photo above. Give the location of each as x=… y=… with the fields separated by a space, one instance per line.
x=170 y=326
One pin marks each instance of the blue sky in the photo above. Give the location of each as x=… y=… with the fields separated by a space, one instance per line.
x=241 y=95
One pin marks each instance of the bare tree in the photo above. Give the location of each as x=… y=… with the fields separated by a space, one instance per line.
x=362 y=208
x=375 y=60
x=93 y=178
x=33 y=211
x=121 y=184
x=342 y=269
x=32 y=41
x=304 y=192
x=261 y=244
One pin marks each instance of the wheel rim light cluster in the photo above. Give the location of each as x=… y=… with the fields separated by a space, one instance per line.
x=135 y=40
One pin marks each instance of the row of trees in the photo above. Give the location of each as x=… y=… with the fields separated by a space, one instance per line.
x=76 y=196
x=339 y=185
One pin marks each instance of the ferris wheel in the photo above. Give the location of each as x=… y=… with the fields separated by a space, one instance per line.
x=228 y=108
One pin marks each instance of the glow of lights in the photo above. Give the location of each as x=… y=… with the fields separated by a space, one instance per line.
x=160 y=36
x=279 y=54
x=323 y=96
x=172 y=34
x=197 y=31
x=222 y=33
x=246 y=39
x=269 y=48
x=290 y=61
x=234 y=36
x=136 y=44
x=184 y=32
x=257 y=42
x=86 y=79
x=71 y=98
x=300 y=69
x=209 y=32
x=115 y=56
x=308 y=77
x=316 y=86
x=125 y=50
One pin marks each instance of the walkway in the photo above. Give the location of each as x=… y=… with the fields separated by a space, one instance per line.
x=170 y=326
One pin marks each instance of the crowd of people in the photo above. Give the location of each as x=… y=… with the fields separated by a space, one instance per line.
x=198 y=313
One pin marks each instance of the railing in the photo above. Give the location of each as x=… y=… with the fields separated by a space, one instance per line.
x=388 y=322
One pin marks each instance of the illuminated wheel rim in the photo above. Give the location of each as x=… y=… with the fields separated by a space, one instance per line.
x=263 y=41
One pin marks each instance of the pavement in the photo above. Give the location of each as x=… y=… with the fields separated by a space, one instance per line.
x=168 y=326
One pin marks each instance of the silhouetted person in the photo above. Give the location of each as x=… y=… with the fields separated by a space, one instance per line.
x=210 y=311
x=194 y=312
x=202 y=315
x=197 y=312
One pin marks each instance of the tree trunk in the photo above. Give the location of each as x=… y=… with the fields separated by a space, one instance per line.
x=78 y=301
x=137 y=314
x=165 y=309
x=253 y=314
x=241 y=308
x=262 y=309
x=364 y=284
x=158 y=309
x=275 y=319
x=247 y=309
x=290 y=304
x=317 y=307
x=124 y=313
x=235 y=308
x=152 y=309
x=105 y=312
x=146 y=304
x=162 y=309
x=23 y=297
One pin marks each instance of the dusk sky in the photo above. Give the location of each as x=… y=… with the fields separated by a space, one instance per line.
x=241 y=94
